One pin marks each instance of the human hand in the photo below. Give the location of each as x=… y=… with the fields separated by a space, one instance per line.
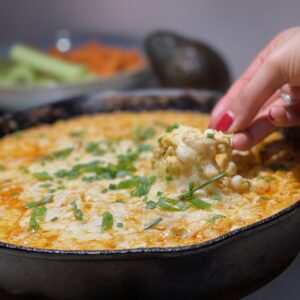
x=258 y=102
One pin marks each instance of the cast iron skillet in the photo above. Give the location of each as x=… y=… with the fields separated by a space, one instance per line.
x=227 y=267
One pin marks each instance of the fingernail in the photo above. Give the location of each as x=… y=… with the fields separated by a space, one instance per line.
x=271 y=115
x=225 y=122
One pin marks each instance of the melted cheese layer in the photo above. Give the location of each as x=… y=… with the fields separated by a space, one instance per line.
x=88 y=184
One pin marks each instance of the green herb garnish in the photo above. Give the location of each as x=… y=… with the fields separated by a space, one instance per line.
x=63 y=153
x=94 y=148
x=38 y=214
x=143 y=134
x=169 y=177
x=46 y=185
x=198 y=203
x=91 y=178
x=144 y=147
x=200 y=169
x=78 y=214
x=216 y=197
x=54 y=219
x=214 y=218
x=2 y=168
x=264 y=198
x=192 y=190
x=47 y=199
x=171 y=204
x=210 y=135
x=172 y=127
x=140 y=185
x=153 y=223
x=120 y=225
x=128 y=158
x=150 y=204
x=107 y=221
x=42 y=176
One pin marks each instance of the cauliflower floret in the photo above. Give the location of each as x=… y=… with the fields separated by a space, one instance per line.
x=185 y=148
x=239 y=183
x=187 y=153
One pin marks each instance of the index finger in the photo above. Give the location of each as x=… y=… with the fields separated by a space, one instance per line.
x=255 y=86
x=230 y=98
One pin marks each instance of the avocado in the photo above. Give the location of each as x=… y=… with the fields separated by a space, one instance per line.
x=181 y=62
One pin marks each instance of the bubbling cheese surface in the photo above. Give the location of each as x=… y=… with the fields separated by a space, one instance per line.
x=128 y=180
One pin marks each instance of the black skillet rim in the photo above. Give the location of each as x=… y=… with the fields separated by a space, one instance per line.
x=16 y=249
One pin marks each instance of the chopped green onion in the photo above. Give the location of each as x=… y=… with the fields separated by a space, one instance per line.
x=209 y=181
x=141 y=185
x=191 y=186
x=150 y=204
x=37 y=215
x=171 y=204
x=264 y=198
x=144 y=147
x=198 y=203
x=153 y=223
x=210 y=135
x=42 y=176
x=200 y=169
x=107 y=221
x=169 y=177
x=120 y=225
x=159 y=193
x=94 y=148
x=144 y=134
x=45 y=185
x=214 y=218
x=91 y=178
x=63 y=153
x=172 y=127
x=216 y=197
x=54 y=219
x=78 y=214
x=47 y=199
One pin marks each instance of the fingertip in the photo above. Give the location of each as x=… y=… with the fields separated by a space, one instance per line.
x=284 y=116
x=259 y=129
x=242 y=141
x=217 y=112
x=277 y=115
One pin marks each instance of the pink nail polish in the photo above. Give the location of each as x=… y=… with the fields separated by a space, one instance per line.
x=225 y=122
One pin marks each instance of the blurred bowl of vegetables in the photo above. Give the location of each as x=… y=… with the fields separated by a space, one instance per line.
x=46 y=71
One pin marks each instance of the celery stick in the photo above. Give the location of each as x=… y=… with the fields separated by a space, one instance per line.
x=47 y=64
